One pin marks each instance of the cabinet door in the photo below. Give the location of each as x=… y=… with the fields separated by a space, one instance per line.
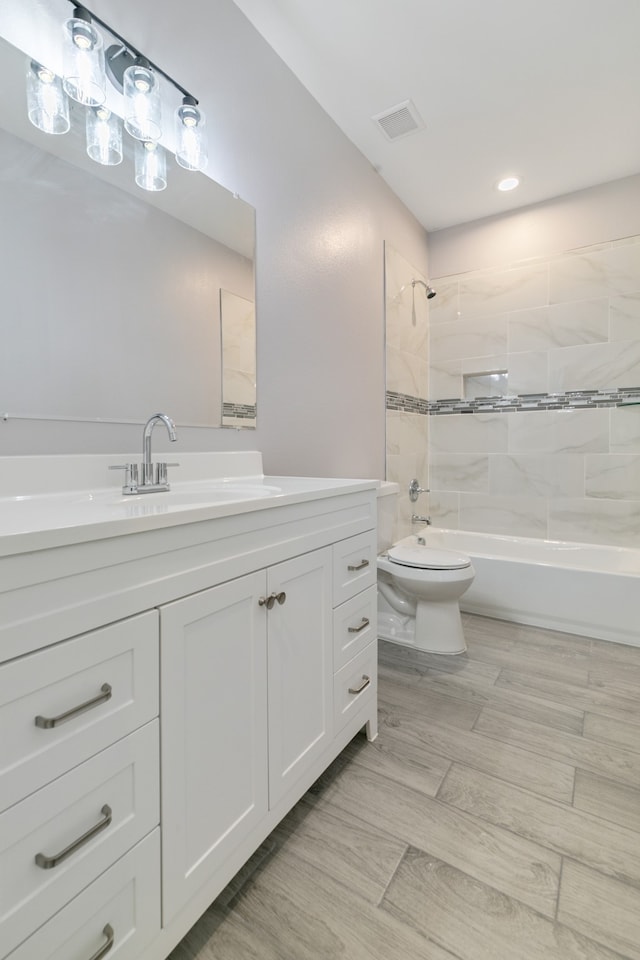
x=214 y=731
x=300 y=668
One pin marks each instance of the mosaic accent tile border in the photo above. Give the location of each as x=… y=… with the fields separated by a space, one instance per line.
x=572 y=400
x=243 y=411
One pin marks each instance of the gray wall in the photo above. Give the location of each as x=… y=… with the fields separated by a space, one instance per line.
x=323 y=215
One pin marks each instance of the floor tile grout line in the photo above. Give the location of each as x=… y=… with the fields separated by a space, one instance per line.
x=393 y=873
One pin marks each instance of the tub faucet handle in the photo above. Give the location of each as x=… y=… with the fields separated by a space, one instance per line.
x=415 y=490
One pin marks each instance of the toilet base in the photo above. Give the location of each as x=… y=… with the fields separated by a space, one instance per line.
x=439 y=630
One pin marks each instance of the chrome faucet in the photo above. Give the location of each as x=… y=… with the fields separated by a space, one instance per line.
x=149 y=477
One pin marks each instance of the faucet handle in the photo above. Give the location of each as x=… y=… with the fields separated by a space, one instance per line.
x=415 y=490
x=160 y=477
x=130 y=477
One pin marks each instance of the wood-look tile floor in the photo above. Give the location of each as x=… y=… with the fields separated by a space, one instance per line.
x=497 y=817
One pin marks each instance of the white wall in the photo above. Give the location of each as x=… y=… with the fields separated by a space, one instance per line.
x=602 y=213
x=323 y=215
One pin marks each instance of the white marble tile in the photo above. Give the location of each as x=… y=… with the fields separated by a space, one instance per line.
x=445 y=380
x=552 y=431
x=514 y=516
x=469 y=433
x=503 y=291
x=406 y=313
x=445 y=306
x=407 y=433
x=444 y=510
x=612 y=477
x=595 y=366
x=459 y=471
x=468 y=338
x=601 y=273
x=544 y=475
x=624 y=317
x=560 y=325
x=625 y=429
x=528 y=372
x=615 y=522
x=406 y=373
x=487 y=364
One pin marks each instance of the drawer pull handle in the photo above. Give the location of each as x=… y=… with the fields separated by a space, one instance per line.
x=358 y=566
x=364 y=623
x=104 y=949
x=48 y=862
x=45 y=723
x=365 y=683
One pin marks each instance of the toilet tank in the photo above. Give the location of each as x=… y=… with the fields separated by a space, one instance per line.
x=387 y=500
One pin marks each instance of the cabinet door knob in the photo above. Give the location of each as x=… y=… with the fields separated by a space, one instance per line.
x=104 y=949
x=358 y=566
x=267 y=602
x=281 y=597
x=361 y=686
x=48 y=862
x=364 y=623
x=45 y=723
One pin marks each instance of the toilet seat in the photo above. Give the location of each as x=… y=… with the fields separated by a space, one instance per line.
x=427 y=558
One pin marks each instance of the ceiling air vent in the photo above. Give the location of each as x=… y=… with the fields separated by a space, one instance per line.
x=399 y=121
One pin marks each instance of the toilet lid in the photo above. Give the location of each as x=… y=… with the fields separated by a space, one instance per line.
x=429 y=558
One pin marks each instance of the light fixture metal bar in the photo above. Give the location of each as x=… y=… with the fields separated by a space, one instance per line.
x=130 y=47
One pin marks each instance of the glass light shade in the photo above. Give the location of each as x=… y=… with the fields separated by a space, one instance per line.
x=151 y=166
x=191 y=143
x=142 y=110
x=104 y=136
x=84 y=76
x=47 y=103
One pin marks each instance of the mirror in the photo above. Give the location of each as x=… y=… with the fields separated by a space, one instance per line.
x=112 y=295
x=237 y=317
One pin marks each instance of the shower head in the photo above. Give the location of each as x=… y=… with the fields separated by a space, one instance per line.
x=429 y=290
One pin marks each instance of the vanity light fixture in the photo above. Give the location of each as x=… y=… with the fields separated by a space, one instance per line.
x=142 y=110
x=84 y=76
x=191 y=146
x=508 y=183
x=86 y=67
x=104 y=136
x=151 y=166
x=47 y=103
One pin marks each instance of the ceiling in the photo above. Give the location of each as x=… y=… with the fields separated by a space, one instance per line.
x=546 y=89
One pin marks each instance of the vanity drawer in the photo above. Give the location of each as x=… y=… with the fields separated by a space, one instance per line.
x=354 y=566
x=58 y=840
x=63 y=704
x=354 y=626
x=122 y=905
x=355 y=685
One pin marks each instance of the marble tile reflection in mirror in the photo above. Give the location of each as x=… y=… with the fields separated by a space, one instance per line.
x=238 y=324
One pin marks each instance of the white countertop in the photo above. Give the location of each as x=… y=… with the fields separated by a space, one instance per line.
x=39 y=519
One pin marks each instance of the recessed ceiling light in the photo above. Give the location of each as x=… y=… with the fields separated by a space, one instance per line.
x=508 y=183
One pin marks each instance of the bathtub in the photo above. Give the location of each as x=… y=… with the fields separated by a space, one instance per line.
x=577 y=588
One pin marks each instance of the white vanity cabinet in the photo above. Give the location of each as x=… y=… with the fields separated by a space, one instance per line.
x=193 y=673
x=246 y=695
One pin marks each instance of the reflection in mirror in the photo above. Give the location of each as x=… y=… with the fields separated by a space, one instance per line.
x=237 y=317
x=111 y=295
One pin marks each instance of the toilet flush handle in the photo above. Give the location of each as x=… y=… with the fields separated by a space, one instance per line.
x=415 y=490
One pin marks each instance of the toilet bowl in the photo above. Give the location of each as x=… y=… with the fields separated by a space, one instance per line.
x=419 y=588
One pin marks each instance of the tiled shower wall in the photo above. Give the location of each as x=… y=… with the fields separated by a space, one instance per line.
x=407 y=377
x=567 y=331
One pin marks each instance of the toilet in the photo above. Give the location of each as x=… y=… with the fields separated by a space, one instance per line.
x=419 y=587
